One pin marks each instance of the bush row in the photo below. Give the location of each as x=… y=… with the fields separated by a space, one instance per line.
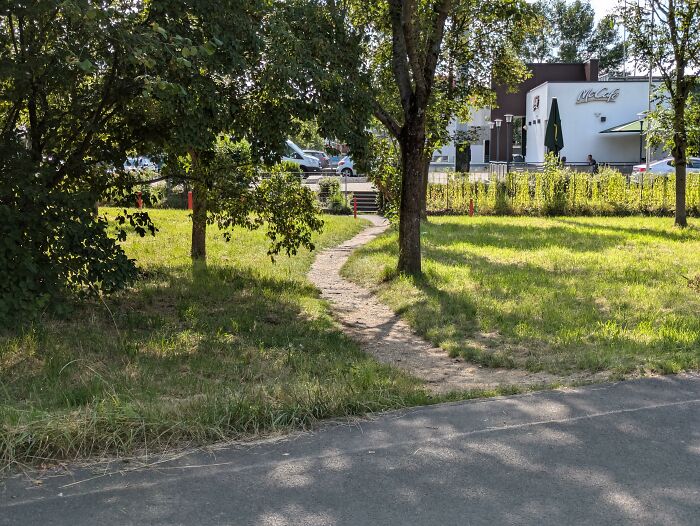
x=563 y=192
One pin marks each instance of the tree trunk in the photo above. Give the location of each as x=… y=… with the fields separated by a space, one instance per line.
x=681 y=219
x=412 y=143
x=680 y=146
x=424 y=187
x=199 y=215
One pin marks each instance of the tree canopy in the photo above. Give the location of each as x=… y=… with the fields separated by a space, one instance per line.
x=568 y=33
x=87 y=82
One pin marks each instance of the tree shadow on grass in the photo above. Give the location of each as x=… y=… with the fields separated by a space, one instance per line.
x=668 y=234
x=541 y=318
x=188 y=332
x=520 y=237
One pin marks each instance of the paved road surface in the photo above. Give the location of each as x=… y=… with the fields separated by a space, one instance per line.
x=625 y=453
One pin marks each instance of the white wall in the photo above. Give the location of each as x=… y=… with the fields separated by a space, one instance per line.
x=480 y=118
x=581 y=123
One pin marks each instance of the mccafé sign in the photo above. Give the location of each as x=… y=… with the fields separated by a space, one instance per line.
x=601 y=95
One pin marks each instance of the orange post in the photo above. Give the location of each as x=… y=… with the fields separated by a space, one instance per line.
x=471 y=208
x=139 y=200
x=354 y=206
x=189 y=200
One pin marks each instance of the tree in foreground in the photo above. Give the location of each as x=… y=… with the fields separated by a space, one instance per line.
x=71 y=107
x=664 y=33
x=431 y=61
x=262 y=74
x=84 y=83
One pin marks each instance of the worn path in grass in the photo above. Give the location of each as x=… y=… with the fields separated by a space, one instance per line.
x=389 y=339
x=626 y=453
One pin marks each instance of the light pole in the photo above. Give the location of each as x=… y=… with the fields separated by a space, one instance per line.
x=498 y=138
x=492 y=125
x=650 y=86
x=509 y=138
x=642 y=116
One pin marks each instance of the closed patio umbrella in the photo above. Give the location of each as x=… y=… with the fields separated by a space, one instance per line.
x=553 y=137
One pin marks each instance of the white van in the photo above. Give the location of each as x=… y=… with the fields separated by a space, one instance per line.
x=308 y=163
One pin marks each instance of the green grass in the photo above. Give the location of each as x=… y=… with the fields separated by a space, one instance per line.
x=187 y=356
x=559 y=294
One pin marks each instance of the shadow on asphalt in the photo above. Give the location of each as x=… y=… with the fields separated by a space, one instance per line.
x=626 y=453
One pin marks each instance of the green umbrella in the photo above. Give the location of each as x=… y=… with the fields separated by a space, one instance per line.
x=553 y=137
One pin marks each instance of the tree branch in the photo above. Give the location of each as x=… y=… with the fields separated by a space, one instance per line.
x=387 y=120
x=434 y=43
x=414 y=61
x=399 y=54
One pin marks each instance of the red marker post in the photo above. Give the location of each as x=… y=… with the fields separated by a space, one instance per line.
x=189 y=200
x=471 y=208
x=354 y=206
x=139 y=200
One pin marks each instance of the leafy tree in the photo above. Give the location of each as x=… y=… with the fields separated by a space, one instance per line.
x=72 y=81
x=429 y=61
x=607 y=46
x=540 y=46
x=84 y=82
x=665 y=35
x=261 y=73
x=568 y=34
x=575 y=27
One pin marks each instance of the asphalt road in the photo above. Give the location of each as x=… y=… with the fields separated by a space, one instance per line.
x=626 y=453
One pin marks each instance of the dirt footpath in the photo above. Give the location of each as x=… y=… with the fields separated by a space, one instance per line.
x=390 y=340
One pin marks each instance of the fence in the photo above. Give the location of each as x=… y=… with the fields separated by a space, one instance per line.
x=501 y=168
x=562 y=192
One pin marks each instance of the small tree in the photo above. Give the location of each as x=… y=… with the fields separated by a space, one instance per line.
x=665 y=35
x=257 y=71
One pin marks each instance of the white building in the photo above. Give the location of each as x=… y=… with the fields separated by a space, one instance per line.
x=448 y=157
x=599 y=117
x=589 y=113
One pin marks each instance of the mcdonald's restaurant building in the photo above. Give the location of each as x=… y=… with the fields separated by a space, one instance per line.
x=598 y=117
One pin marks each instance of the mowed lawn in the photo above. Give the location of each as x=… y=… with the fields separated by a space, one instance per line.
x=559 y=294
x=240 y=348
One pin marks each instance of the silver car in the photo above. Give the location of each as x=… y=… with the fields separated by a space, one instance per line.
x=665 y=167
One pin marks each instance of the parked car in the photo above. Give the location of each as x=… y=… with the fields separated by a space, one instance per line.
x=346 y=167
x=664 y=167
x=308 y=163
x=321 y=156
x=141 y=163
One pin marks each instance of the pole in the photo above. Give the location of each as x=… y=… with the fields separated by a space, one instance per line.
x=509 y=142
x=498 y=143
x=650 y=87
x=189 y=200
x=139 y=200
x=354 y=206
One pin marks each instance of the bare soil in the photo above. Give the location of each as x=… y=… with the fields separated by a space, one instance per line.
x=384 y=335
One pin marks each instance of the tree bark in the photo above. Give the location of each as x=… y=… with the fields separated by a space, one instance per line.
x=412 y=142
x=680 y=146
x=199 y=215
x=424 y=186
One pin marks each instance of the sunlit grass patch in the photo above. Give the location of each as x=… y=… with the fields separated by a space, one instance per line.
x=559 y=294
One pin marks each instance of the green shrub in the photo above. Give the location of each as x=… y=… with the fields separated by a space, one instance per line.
x=331 y=198
x=563 y=191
